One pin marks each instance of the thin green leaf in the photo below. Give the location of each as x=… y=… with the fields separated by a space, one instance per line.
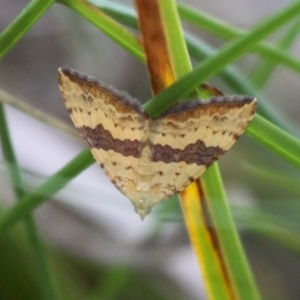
x=110 y=27
x=228 y=32
x=265 y=67
x=47 y=189
x=231 y=246
x=123 y=13
x=47 y=289
x=275 y=139
x=44 y=117
x=19 y=27
x=277 y=178
x=174 y=33
x=261 y=222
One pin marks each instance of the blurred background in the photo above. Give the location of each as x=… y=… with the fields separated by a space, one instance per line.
x=94 y=239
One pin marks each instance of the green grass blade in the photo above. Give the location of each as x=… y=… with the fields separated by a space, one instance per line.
x=32 y=111
x=275 y=139
x=177 y=47
x=263 y=223
x=18 y=28
x=265 y=67
x=231 y=246
x=123 y=13
x=47 y=189
x=277 y=178
x=226 y=31
x=9 y=156
x=110 y=27
x=47 y=288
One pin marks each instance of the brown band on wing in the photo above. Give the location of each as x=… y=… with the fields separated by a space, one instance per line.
x=101 y=138
x=196 y=153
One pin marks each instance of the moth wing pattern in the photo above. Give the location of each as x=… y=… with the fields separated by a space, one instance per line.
x=104 y=117
x=189 y=137
x=148 y=159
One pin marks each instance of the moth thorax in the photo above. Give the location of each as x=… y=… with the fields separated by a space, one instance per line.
x=144 y=173
x=145 y=163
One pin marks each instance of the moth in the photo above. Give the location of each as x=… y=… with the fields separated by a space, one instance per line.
x=147 y=159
